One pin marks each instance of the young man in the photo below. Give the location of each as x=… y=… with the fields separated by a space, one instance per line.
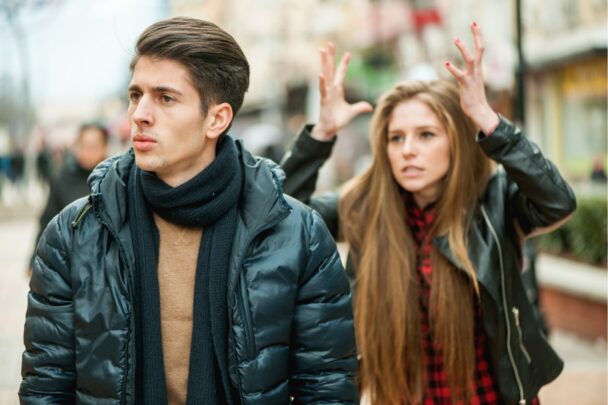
x=88 y=150
x=187 y=276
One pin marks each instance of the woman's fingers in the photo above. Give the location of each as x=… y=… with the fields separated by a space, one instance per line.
x=361 y=107
x=478 y=41
x=331 y=62
x=471 y=61
x=341 y=70
x=325 y=67
x=468 y=59
x=322 y=89
x=457 y=73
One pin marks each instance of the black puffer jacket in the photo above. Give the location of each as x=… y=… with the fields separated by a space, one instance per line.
x=291 y=328
x=529 y=192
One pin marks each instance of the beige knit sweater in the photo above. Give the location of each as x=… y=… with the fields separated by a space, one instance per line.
x=177 y=259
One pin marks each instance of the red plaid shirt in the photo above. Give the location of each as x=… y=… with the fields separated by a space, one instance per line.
x=437 y=390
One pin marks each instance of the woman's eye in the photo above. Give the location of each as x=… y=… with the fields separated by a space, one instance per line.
x=427 y=134
x=396 y=138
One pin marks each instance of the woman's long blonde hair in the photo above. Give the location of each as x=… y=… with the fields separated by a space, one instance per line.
x=373 y=222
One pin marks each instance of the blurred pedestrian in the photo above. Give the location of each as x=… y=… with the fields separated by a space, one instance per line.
x=17 y=165
x=435 y=237
x=187 y=276
x=44 y=164
x=70 y=184
x=598 y=173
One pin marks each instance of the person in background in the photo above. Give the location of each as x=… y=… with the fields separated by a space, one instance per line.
x=598 y=173
x=435 y=236
x=44 y=164
x=88 y=150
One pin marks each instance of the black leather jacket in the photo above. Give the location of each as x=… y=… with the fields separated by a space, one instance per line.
x=291 y=336
x=531 y=192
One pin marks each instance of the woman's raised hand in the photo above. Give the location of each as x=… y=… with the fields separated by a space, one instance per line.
x=470 y=81
x=335 y=111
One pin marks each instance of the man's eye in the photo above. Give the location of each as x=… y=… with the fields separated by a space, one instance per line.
x=134 y=97
x=167 y=99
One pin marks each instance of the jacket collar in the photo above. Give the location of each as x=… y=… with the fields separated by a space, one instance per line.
x=482 y=258
x=262 y=200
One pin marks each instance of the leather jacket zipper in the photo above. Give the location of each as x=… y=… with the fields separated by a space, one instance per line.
x=522 y=398
x=521 y=337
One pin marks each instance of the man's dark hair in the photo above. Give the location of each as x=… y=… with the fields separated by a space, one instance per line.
x=217 y=65
x=105 y=134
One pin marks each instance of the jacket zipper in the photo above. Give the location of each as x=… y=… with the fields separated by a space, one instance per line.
x=522 y=399
x=81 y=214
x=121 y=250
x=249 y=342
x=521 y=337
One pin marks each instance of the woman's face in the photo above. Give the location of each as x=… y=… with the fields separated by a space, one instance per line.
x=418 y=150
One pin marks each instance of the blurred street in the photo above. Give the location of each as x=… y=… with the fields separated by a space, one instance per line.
x=584 y=380
x=16 y=240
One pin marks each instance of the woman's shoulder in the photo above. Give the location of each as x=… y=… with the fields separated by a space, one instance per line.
x=496 y=195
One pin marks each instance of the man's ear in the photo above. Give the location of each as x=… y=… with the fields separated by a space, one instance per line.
x=220 y=117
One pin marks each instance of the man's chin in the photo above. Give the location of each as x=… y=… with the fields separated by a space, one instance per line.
x=145 y=163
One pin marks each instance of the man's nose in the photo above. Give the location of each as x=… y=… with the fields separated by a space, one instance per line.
x=142 y=112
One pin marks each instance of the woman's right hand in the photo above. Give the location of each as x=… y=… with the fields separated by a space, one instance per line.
x=335 y=112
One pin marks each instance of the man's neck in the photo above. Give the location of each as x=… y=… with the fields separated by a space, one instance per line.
x=181 y=175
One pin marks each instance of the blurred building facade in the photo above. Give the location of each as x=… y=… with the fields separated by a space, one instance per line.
x=566 y=82
x=564 y=47
x=280 y=38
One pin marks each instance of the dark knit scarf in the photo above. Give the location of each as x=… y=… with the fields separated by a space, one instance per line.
x=209 y=201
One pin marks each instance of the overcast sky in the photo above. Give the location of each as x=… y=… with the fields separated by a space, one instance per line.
x=79 y=49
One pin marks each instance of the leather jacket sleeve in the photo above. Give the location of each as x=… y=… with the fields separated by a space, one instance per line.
x=540 y=197
x=301 y=165
x=324 y=355
x=48 y=368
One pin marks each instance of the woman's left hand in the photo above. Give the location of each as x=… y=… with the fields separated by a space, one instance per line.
x=470 y=81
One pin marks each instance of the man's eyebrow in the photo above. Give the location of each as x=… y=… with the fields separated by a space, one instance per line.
x=157 y=89
x=133 y=87
x=166 y=89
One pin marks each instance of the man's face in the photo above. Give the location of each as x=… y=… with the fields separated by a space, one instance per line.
x=168 y=130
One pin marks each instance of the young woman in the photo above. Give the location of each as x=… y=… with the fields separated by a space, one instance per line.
x=435 y=235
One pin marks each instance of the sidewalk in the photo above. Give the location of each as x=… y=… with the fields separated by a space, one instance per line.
x=23 y=200
x=16 y=240
x=584 y=379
